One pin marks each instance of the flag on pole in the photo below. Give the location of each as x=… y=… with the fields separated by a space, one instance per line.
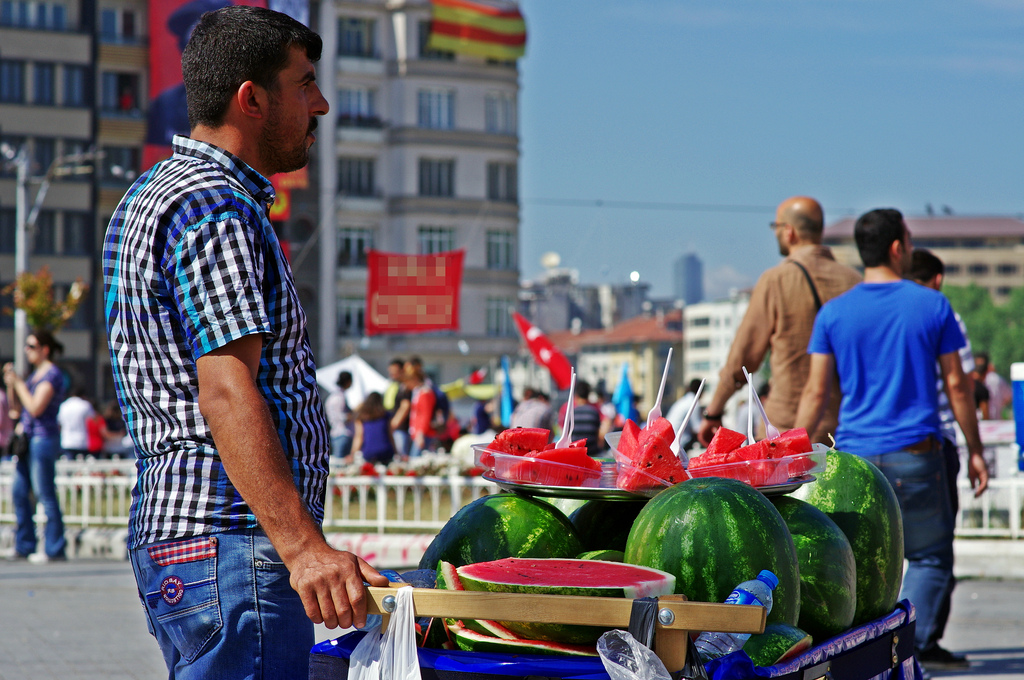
x=544 y=351
x=477 y=376
x=506 y=394
x=623 y=397
x=487 y=29
x=412 y=293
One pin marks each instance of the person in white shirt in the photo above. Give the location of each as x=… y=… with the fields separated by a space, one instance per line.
x=687 y=434
x=72 y=416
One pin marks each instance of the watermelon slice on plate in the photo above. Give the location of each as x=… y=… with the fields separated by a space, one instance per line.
x=789 y=443
x=724 y=441
x=557 y=467
x=629 y=440
x=517 y=441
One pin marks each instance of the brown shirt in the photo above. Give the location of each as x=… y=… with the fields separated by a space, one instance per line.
x=779 y=318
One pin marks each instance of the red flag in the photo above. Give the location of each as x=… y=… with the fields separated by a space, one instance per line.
x=545 y=352
x=477 y=376
x=412 y=293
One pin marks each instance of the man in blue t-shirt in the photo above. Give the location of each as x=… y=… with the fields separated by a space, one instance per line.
x=883 y=338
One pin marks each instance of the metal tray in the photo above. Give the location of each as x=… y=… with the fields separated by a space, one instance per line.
x=585 y=493
x=789 y=487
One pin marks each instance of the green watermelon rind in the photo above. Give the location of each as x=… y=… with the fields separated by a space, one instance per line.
x=605 y=525
x=828 y=569
x=448 y=579
x=856 y=495
x=713 y=533
x=603 y=555
x=503 y=525
x=652 y=584
x=472 y=641
x=778 y=642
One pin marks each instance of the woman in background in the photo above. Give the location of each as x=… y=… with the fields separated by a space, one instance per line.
x=39 y=397
x=372 y=432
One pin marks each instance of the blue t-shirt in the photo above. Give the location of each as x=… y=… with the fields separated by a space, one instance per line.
x=886 y=338
x=45 y=424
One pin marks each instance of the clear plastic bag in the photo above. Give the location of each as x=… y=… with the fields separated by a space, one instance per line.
x=625 y=658
x=391 y=656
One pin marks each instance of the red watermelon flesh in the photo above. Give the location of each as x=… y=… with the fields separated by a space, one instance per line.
x=517 y=441
x=724 y=441
x=789 y=443
x=556 y=467
x=653 y=458
x=629 y=441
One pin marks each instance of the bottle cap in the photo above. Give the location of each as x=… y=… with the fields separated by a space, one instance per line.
x=769 y=578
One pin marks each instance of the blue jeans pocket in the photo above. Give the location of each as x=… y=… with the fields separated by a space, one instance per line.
x=180 y=579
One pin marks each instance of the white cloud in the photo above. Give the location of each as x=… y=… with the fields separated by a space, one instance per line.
x=719 y=282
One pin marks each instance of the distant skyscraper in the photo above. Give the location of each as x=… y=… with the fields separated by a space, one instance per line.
x=688 y=279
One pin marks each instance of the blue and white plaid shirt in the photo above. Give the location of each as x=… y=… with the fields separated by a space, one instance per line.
x=190 y=263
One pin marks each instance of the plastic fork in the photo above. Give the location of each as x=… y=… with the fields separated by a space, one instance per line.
x=689 y=412
x=771 y=432
x=655 y=411
x=566 y=438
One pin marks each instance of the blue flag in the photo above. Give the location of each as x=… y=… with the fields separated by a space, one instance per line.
x=623 y=397
x=506 y=395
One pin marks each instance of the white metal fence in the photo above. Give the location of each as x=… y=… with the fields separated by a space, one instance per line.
x=98 y=493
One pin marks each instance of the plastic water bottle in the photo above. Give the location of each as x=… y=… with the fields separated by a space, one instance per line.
x=758 y=591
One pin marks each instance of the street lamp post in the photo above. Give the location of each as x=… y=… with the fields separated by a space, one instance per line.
x=25 y=219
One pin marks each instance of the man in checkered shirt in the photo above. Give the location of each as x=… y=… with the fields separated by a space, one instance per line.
x=215 y=374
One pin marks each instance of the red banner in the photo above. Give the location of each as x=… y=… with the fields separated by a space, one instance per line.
x=412 y=293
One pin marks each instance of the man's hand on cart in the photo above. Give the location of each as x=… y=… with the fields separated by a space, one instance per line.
x=330 y=583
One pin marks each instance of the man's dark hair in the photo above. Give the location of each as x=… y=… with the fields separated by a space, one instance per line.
x=344 y=380
x=981 y=360
x=583 y=390
x=924 y=266
x=233 y=45
x=694 y=386
x=875 y=231
x=397 y=361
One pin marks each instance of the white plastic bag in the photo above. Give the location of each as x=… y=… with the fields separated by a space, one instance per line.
x=391 y=656
x=625 y=658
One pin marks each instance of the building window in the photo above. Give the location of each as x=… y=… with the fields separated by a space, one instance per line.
x=356 y=37
x=7 y=216
x=501 y=250
x=977 y=269
x=351 y=316
x=1003 y=291
x=355 y=176
x=700 y=321
x=353 y=244
x=120 y=163
x=437 y=178
x=502 y=182
x=428 y=52
x=1008 y=269
x=120 y=93
x=45 y=151
x=436 y=109
x=434 y=240
x=357 y=106
x=75 y=90
x=117 y=26
x=44 y=84
x=12 y=81
x=700 y=344
x=77 y=233
x=14 y=13
x=500 y=113
x=45 y=241
x=952 y=269
x=499 y=321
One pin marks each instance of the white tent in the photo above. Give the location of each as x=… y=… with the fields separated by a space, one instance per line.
x=364 y=379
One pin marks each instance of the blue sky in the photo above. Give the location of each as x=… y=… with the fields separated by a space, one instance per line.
x=672 y=104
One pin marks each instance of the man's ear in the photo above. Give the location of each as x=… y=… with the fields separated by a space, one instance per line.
x=896 y=251
x=251 y=99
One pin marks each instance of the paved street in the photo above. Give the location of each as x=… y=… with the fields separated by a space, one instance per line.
x=82 y=619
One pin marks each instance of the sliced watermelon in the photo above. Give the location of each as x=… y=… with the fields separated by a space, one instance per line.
x=779 y=642
x=724 y=441
x=789 y=443
x=629 y=441
x=593 y=578
x=517 y=441
x=555 y=467
x=474 y=641
x=448 y=579
x=653 y=459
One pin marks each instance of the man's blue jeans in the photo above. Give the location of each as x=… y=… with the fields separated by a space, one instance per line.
x=919 y=480
x=221 y=606
x=36 y=474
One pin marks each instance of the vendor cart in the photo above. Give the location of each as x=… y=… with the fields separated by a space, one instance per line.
x=879 y=650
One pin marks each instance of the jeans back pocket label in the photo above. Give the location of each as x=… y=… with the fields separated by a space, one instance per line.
x=172 y=589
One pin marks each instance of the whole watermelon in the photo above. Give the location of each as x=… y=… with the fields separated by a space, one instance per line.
x=828 y=573
x=503 y=525
x=857 y=496
x=714 y=533
x=605 y=525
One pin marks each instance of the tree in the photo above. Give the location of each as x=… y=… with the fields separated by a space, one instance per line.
x=33 y=292
x=996 y=329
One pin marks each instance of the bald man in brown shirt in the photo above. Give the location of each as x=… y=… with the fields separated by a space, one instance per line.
x=780 y=317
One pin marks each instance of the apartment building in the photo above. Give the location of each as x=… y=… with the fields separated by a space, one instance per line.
x=987 y=251
x=425 y=160
x=709 y=328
